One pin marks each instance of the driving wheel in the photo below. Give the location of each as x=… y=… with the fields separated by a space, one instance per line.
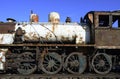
x=51 y=63
x=76 y=63
x=26 y=63
x=102 y=63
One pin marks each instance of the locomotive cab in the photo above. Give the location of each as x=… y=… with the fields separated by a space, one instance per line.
x=107 y=29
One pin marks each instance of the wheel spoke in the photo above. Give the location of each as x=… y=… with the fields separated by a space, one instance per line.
x=46 y=58
x=70 y=59
x=75 y=63
x=53 y=63
x=26 y=67
x=101 y=63
x=57 y=64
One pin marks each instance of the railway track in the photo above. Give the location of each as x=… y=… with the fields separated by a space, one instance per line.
x=61 y=76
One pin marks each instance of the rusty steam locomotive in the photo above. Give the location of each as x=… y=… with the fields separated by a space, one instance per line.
x=91 y=46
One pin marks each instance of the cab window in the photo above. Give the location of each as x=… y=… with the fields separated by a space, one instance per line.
x=115 y=21
x=103 y=20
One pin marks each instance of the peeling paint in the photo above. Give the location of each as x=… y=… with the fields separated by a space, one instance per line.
x=6 y=38
x=2 y=58
x=55 y=33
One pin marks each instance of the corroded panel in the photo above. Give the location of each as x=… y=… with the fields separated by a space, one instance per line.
x=107 y=37
x=6 y=27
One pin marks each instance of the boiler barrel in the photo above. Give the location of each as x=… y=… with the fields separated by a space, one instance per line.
x=55 y=33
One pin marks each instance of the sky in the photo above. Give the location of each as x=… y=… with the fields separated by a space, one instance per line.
x=20 y=9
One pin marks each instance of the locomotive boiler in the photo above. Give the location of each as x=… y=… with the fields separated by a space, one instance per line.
x=91 y=46
x=55 y=33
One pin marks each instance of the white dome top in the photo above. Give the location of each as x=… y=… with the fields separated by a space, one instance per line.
x=54 y=15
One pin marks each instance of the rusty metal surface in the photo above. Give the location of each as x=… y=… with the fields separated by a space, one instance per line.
x=42 y=58
x=26 y=65
x=42 y=45
x=54 y=17
x=103 y=65
x=2 y=58
x=107 y=47
x=93 y=16
x=62 y=76
x=6 y=38
x=55 y=33
x=6 y=27
x=76 y=63
x=51 y=63
x=107 y=37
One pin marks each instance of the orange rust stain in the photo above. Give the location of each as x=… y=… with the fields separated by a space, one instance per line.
x=1 y=39
x=54 y=27
x=44 y=52
x=35 y=18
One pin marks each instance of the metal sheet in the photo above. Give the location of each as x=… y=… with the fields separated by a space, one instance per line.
x=6 y=38
x=56 y=33
x=2 y=58
x=107 y=37
x=6 y=27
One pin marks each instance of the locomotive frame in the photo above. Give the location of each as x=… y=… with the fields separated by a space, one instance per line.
x=100 y=56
